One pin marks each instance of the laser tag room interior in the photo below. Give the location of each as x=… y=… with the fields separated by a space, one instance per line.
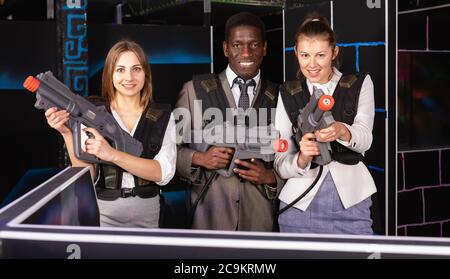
x=46 y=203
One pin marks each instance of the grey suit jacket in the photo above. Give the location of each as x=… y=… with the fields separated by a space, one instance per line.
x=229 y=204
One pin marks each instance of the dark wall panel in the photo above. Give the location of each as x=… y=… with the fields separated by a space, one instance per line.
x=354 y=21
x=421 y=169
x=411 y=31
x=28 y=48
x=438 y=25
x=27 y=142
x=432 y=230
x=371 y=61
x=410 y=207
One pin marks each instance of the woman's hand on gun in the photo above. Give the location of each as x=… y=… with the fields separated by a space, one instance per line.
x=309 y=148
x=99 y=146
x=57 y=119
x=337 y=130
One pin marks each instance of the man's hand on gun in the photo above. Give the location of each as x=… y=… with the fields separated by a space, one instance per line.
x=216 y=157
x=254 y=171
x=224 y=144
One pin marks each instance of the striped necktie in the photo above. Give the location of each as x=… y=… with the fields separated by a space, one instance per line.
x=244 y=100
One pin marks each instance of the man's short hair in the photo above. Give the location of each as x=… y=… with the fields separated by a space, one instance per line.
x=244 y=19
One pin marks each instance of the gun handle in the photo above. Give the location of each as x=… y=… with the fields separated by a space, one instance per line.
x=75 y=126
x=227 y=172
x=325 y=155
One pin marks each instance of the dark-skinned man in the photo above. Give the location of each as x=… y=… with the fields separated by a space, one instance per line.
x=244 y=201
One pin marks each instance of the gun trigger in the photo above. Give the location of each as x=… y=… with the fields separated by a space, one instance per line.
x=90 y=135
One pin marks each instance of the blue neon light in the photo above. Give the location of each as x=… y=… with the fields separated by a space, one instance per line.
x=376 y=168
x=8 y=82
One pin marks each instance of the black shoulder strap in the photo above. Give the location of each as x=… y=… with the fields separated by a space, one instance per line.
x=346 y=96
x=268 y=95
x=151 y=131
x=295 y=95
x=208 y=88
x=267 y=98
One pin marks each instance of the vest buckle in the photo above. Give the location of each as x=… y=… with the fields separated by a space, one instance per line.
x=127 y=192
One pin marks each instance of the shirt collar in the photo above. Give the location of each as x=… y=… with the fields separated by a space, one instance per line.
x=328 y=87
x=232 y=75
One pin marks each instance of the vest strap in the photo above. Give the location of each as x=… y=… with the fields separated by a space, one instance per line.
x=144 y=192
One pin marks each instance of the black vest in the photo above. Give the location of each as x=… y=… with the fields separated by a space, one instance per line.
x=296 y=95
x=150 y=132
x=208 y=88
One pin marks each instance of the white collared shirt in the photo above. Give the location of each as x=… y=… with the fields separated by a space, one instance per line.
x=251 y=90
x=353 y=182
x=166 y=156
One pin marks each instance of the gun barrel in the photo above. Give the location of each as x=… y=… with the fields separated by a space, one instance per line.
x=325 y=103
x=52 y=92
x=278 y=145
x=31 y=83
x=315 y=116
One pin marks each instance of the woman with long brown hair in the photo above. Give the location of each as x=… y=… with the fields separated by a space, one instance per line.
x=128 y=186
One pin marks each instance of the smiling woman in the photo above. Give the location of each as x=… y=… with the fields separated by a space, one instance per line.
x=340 y=202
x=128 y=186
x=316 y=50
x=128 y=76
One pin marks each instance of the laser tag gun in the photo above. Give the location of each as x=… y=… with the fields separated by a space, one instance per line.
x=50 y=92
x=260 y=142
x=314 y=116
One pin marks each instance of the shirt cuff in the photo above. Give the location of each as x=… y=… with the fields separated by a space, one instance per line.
x=165 y=170
x=300 y=170
x=343 y=142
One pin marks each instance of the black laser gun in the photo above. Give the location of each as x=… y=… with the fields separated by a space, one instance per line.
x=316 y=115
x=259 y=142
x=50 y=92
